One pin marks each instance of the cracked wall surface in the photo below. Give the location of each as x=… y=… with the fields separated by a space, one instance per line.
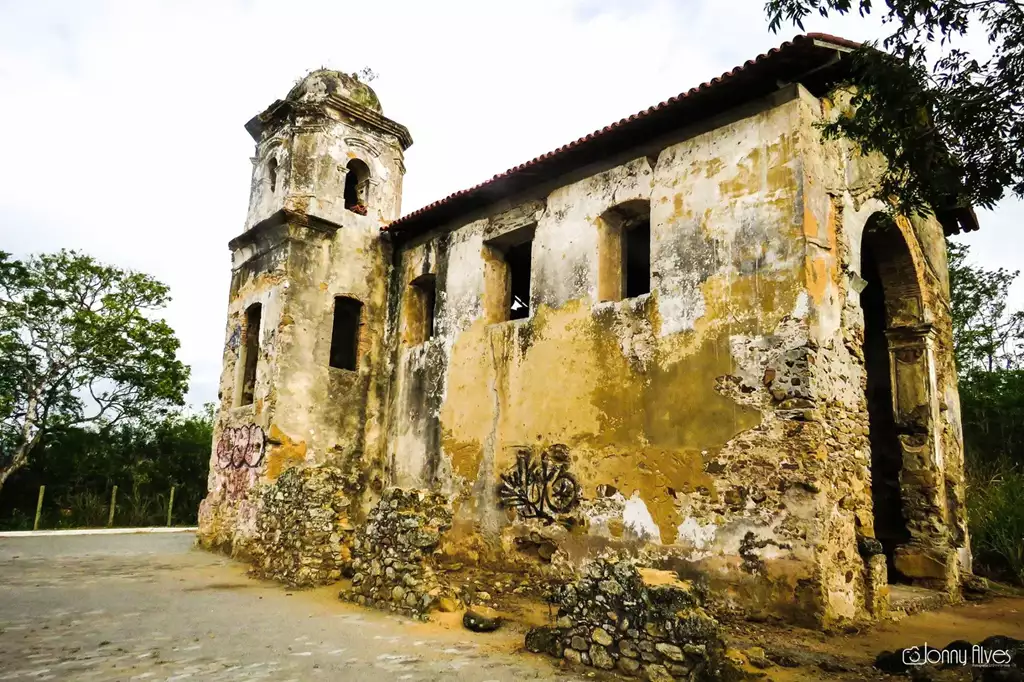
x=302 y=249
x=716 y=426
x=725 y=409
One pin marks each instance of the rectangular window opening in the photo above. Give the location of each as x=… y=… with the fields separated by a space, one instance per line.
x=250 y=352
x=636 y=258
x=425 y=292
x=518 y=260
x=345 y=333
x=507 y=271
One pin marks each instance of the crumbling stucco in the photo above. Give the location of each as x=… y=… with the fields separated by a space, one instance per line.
x=716 y=426
x=302 y=249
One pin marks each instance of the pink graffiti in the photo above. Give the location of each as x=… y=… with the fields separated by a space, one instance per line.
x=236 y=483
x=241 y=447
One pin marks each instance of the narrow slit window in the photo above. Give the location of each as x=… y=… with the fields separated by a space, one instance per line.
x=345 y=333
x=272 y=173
x=424 y=292
x=518 y=260
x=636 y=258
x=357 y=182
x=250 y=352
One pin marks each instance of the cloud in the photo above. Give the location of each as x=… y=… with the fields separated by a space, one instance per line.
x=124 y=117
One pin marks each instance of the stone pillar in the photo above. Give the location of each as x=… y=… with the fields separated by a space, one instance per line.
x=876 y=584
x=927 y=557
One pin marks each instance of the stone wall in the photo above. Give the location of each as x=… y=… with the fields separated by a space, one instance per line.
x=393 y=569
x=716 y=423
x=725 y=410
x=305 y=526
x=692 y=404
x=611 y=618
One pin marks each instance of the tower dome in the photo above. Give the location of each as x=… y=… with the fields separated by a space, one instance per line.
x=322 y=83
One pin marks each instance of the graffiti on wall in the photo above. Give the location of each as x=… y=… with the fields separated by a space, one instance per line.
x=241 y=447
x=540 y=487
x=236 y=338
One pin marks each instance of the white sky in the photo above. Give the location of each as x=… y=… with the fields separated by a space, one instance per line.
x=123 y=119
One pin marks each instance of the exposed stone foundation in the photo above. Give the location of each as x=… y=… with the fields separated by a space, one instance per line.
x=717 y=350
x=304 y=532
x=393 y=569
x=614 y=616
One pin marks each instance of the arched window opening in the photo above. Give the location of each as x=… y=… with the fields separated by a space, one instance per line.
x=624 y=245
x=272 y=173
x=357 y=183
x=345 y=333
x=250 y=352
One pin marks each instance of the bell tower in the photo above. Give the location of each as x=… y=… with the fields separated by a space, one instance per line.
x=301 y=377
x=327 y=151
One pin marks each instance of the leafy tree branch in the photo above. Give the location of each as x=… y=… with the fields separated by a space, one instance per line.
x=950 y=125
x=79 y=345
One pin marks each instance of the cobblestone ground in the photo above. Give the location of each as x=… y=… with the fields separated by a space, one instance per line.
x=149 y=607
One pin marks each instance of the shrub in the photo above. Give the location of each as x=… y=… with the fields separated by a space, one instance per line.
x=995 y=497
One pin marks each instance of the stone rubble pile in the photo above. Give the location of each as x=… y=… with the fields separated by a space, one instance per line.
x=610 y=619
x=303 y=528
x=393 y=569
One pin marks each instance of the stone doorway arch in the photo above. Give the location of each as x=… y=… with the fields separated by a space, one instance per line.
x=908 y=483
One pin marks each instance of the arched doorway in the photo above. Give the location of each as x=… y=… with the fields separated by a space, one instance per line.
x=891 y=302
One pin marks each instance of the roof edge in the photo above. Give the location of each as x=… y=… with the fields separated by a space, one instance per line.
x=411 y=220
x=255 y=125
x=809 y=46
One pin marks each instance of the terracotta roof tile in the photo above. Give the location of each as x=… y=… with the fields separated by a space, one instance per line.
x=792 y=59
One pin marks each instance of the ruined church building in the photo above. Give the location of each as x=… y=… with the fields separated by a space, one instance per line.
x=693 y=338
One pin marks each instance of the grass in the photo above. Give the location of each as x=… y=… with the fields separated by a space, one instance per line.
x=91 y=510
x=995 y=508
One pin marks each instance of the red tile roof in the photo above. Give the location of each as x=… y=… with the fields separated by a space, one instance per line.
x=809 y=58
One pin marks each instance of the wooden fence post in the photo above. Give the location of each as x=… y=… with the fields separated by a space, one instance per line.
x=113 y=504
x=170 y=507
x=39 y=507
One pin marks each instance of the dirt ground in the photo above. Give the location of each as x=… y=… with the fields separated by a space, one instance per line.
x=850 y=655
x=150 y=607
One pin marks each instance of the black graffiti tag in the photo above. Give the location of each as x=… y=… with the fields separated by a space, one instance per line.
x=241 y=447
x=541 y=489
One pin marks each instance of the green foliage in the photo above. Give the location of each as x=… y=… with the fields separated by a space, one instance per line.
x=144 y=458
x=995 y=507
x=986 y=336
x=992 y=412
x=951 y=125
x=987 y=340
x=79 y=346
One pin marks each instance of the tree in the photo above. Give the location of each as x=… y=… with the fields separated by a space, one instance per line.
x=985 y=335
x=143 y=457
x=987 y=342
x=950 y=125
x=78 y=347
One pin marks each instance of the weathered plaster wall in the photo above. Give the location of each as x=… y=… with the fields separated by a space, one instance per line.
x=312 y=149
x=301 y=250
x=684 y=411
x=838 y=187
x=240 y=459
x=716 y=425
